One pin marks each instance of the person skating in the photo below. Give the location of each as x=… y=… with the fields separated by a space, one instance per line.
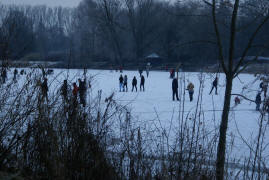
x=215 y=85
x=125 y=83
x=45 y=89
x=190 y=88
x=258 y=101
x=175 y=89
x=64 y=91
x=121 y=82
x=82 y=92
x=15 y=75
x=134 y=84
x=142 y=83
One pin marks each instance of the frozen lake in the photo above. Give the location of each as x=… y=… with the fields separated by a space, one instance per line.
x=154 y=110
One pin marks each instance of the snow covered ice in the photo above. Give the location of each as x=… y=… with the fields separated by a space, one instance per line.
x=154 y=110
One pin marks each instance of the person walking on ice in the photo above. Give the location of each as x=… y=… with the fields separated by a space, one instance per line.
x=125 y=85
x=121 y=82
x=175 y=89
x=215 y=85
x=190 y=88
x=134 y=84
x=142 y=83
x=258 y=101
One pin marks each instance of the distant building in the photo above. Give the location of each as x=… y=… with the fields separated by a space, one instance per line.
x=154 y=59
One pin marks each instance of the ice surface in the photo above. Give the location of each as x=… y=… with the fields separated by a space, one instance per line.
x=154 y=108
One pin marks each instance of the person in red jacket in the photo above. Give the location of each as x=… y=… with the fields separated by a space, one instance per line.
x=75 y=90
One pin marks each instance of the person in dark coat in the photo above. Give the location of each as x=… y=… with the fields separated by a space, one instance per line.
x=121 y=82
x=82 y=92
x=45 y=89
x=134 y=84
x=258 y=101
x=215 y=85
x=142 y=83
x=64 y=90
x=15 y=74
x=175 y=89
x=4 y=75
x=125 y=83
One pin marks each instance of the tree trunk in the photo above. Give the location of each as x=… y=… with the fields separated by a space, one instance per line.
x=223 y=128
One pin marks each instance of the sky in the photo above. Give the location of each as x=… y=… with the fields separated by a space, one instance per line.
x=52 y=3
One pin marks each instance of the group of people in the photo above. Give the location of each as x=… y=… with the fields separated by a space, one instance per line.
x=15 y=74
x=65 y=90
x=124 y=83
x=190 y=89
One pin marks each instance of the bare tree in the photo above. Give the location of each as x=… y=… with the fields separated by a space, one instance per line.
x=232 y=69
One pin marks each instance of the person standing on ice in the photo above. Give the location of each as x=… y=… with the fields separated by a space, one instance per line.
x=175 y=89
x=190 y=88
x=125 y=83
x=64 y=91
x=147 y=69
x=45 y=89
x=215 y=85
x=142 y=83
x=258 y=101
x=82 y=92
x=121 y=82
x=15 y=74
x=134 y=84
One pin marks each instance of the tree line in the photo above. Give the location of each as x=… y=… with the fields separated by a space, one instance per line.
x=124 y=32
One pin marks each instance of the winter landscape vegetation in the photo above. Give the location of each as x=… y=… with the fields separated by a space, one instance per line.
x=135 y=89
